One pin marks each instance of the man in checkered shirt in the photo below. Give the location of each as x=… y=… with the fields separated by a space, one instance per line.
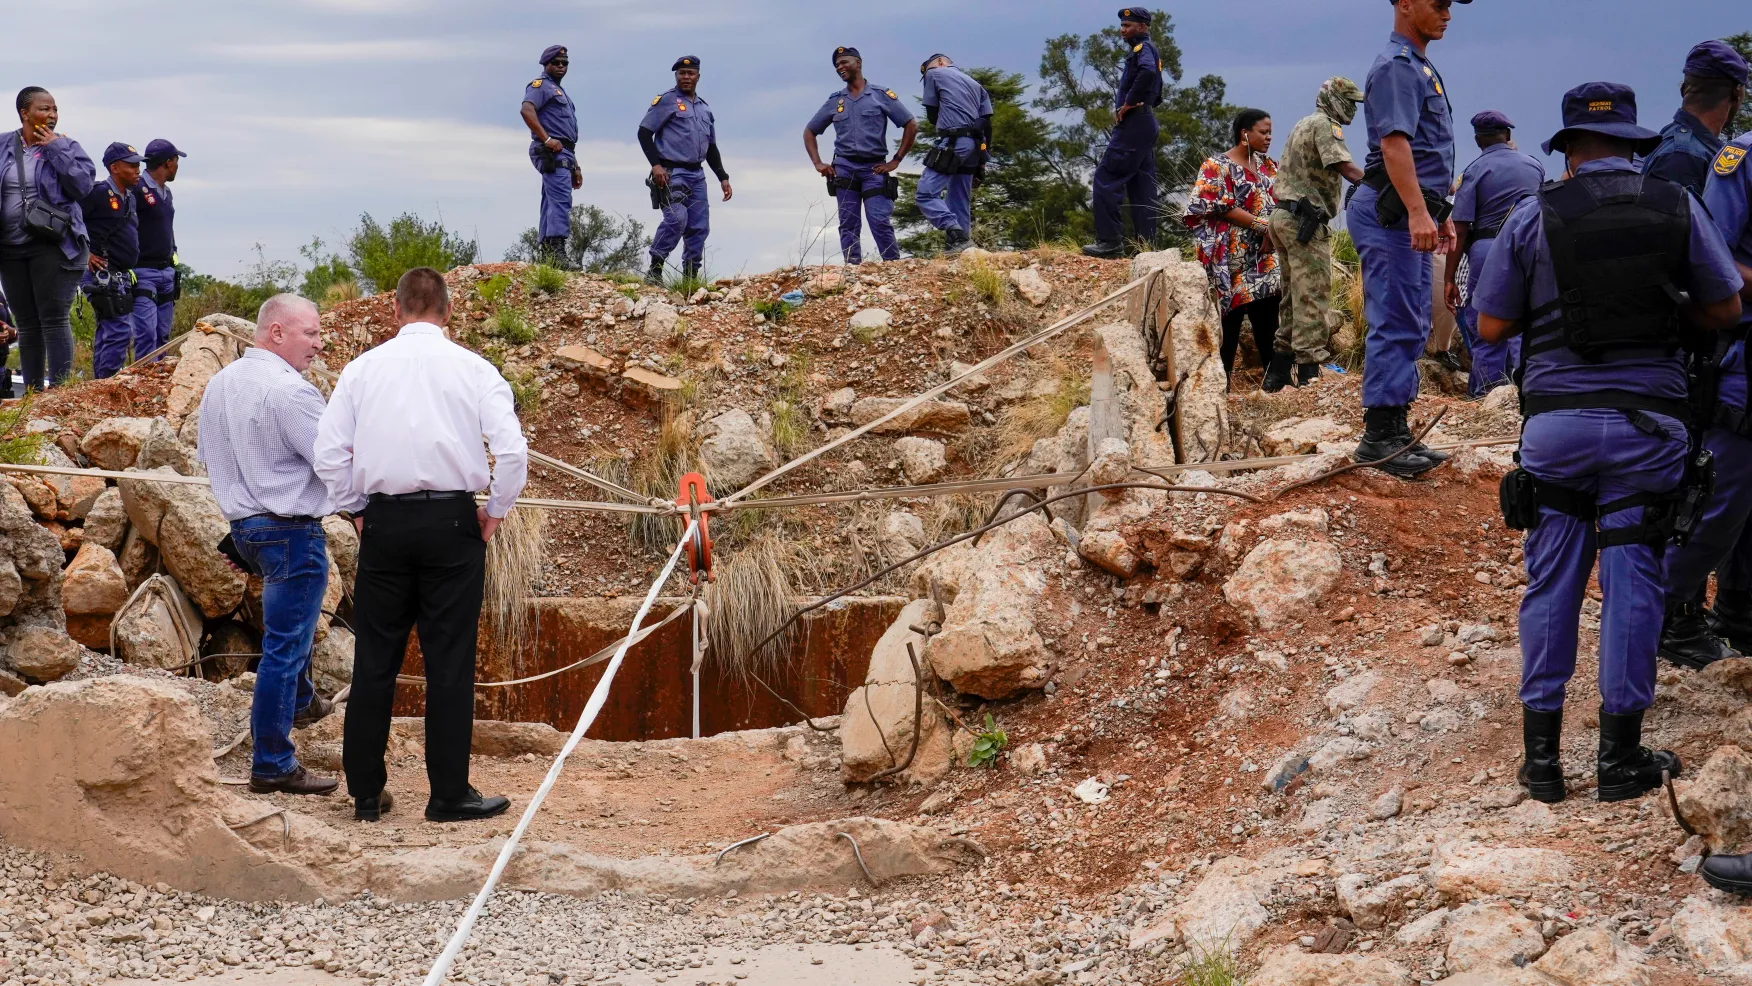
x=258 y=432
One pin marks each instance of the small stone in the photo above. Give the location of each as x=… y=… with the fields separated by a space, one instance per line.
x=1387 y=805
x=1432 y=636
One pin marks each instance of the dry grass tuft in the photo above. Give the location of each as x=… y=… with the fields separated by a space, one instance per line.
x=989 y=283
x=657 y=471
x=1041 y=415
x=515 y=557
x=750 y=597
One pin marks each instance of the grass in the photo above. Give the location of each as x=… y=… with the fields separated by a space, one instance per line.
x=751 y=597
x=84 y=336
x=511 y=325
x=790 y=421
x=775 y=310
x=341 y=292
x=1347 y=299
x=1042 y=415
x=1217 y=967
x=989 y=283
x=544 y=278
x=514 y=562
x=525 y=391
x=18 y=447
x=492 y=290
x=656 y=471
x=685 y=286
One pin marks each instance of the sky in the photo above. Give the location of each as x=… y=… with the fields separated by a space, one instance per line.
x=299 y=115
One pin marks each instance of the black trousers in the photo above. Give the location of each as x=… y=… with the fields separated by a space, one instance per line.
x=1262 y=314
x=421 y=563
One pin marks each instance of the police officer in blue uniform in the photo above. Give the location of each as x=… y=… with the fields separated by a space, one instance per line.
x=961 y=110
x=678 y=136
x=1489 y=187
x=1595 y=266
x=1714 y=88
x=1128 y=169
x=112 y=220
x=1398 y=216
x=861 y=175
x=553 y=130
x=1692 y=634
x=156 y=285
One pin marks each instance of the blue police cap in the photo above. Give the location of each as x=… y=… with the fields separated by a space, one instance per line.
x=1139 y=14
x=1602 y=108
x=1490 y=121
x=686 y=61
x=552 y=52
x=162 y=150
x=843 y=50
x=119 y=151
x=1716 y=60
x=925 y=65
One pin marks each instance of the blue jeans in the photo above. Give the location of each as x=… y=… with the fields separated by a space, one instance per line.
x=1603 y=453
x=292 y=556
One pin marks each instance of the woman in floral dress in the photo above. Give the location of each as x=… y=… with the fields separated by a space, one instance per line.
x=1228 y=216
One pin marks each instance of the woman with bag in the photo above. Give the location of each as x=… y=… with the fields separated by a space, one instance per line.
x=1228 y=213
x=43 y=242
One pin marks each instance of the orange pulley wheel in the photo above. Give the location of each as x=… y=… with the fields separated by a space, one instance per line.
x=691 y=497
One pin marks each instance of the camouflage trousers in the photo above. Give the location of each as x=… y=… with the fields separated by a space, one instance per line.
x=1307 y=275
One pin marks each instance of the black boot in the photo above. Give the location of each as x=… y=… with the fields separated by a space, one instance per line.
x=1730 y=873
x=1307 y=373
x=1277 y=373
x=955 y=241
x=690 y=272
x=1105 y=251
x=654 y=276
x=1687 y=639
x=554 y=250
x=1627 y=768
x=1404 y=437
x=1732 y=617
x=1541 y=773
x=1384 y=433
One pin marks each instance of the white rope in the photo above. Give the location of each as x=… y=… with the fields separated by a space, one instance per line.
x=598 y=698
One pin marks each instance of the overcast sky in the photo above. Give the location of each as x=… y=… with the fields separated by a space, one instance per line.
x=297 y=116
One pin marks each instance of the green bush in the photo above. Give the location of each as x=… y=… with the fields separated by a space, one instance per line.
x=525 y=391
x=492 y=290
x=382 y=254
x=326 y=273
x=546 y=279
x=775 y=309
x=17 y=446
x=510 y=325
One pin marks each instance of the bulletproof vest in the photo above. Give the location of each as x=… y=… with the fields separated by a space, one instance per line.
x=1618 y=241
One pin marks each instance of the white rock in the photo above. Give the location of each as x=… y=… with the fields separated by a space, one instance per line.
x=1717 y=935
x=1374 y=907
x=1302 y=436
x=1493 y=935
x=661 y=321
x=1388 y=804
x=1031 y=286
x=1468 y=870
x=1290 y=967
x=1312 y=519
x=1424 y=930
x=872 y=320
x=1091 y=791
x=737 y=453
x=1351 y=692
x=1595 y=957
x=1280 y=580
x=922 y=460
x=1109 y=550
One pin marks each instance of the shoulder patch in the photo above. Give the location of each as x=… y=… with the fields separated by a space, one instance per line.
x=536 y=84
x=1137 y=48
x=1338 y=131
x=1728 y=161
x=656 y=99
x=891 y=94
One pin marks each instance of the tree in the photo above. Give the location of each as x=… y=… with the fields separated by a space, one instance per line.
x=1742 y=43
x=329 y=278
x=1079 y=76
x=599 y=242
x=381 y=255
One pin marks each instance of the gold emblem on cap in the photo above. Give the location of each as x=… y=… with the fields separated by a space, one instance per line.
x=1600 y=106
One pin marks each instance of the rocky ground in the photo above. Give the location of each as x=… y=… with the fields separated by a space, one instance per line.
x=1277 y=733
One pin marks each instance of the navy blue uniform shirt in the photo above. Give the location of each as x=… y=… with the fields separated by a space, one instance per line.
x=157 y=224
x=959 y=98
x=1684 y=155
x=1405 y=95
x=553 y=108
x=682 y=125
x=113 y=224
x=1140 y=81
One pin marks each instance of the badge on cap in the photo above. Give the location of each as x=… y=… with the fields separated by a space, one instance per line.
x=1728 y=161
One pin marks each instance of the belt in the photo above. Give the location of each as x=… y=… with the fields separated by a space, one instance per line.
x=421 y=495
x=282 y=519
x=685 y=165
x=864 y=158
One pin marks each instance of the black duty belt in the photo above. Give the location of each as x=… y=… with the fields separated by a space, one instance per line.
x=421 y=495
x=864 y=158
x=686 y=165
x=1606 y=400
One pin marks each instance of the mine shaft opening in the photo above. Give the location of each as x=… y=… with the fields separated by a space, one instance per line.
x=653 y=692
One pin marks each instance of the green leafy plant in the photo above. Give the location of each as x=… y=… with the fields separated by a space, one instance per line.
x=327 y=272
x=1219 y=966
x=17 y=446
x=686 y=285
x=382 y=254
x=546 y=279
x=510 y=325
x=988 y=744
x=775 y=309
x=492 y=290
x=525 y=390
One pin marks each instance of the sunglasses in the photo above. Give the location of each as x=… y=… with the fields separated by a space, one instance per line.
x=559 y=61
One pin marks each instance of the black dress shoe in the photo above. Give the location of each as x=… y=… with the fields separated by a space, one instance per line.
x=1307 y=374
x=318 y=709
x=1730 y=873
x=466 y=809
x=300 y=781
x=371 y=809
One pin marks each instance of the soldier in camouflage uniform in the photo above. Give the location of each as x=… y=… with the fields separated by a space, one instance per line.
x=1315 y=163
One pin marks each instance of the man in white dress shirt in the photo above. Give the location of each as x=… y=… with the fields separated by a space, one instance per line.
x=402 y=442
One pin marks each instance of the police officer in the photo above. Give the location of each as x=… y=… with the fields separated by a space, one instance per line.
x=961 y=110
x=678 y=135
x=1691 y=634
x=1605 y=397
x=861 y=172
x=1397 y=216
x=1128 y=169
x=114 y=225
x=553 y=129
x=1315 y=165
x=1714 y=88
x=1489 y=188
x=156 y=285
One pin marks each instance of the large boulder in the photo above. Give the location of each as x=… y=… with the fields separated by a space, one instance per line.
x=163 y=447
x=877 y=729
x=185 y=524
x=73 y=494
x=1280 y=580
x=1718 y=800
x=1289 y=966
x=1469 y=870
x=936 y=417
x=1178 y=306
x=94 y=582
x=42 y=654
x=736 y=452
x=106 y=522
x=1222 y=913
x=1595 y=957
x=331 y=661
x=30 y=564
x=343 y=549
x=1300 y=436
x=1717 y=935
x=204 y=352
x=114 y=443
x=989 y=646
x=1373 y=907
x=1033 y=288
x=161 y=630
x=1491 y=936
x=661 y=321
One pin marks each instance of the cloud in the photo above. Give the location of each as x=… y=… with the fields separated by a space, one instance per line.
x=320 y=52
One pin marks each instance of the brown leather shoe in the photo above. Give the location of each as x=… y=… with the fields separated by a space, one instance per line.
x=300 y=781
x=318 y=709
